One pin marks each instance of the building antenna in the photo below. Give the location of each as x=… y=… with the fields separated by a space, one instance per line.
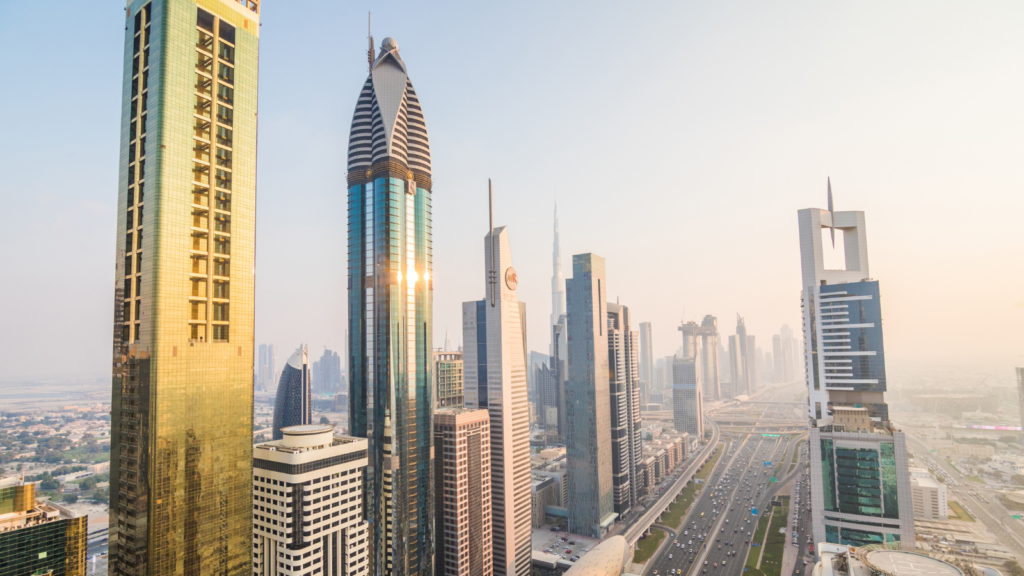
x=492 y=274
x=369 y=36
x=832 y=214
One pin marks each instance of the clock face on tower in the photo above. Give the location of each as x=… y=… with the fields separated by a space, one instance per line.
x=511 y=279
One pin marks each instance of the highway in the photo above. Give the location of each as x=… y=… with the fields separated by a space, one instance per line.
x=650 y=516
x=737 y=486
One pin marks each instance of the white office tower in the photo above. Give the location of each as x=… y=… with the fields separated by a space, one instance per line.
x=687 y=388
x=624 y=388
x=860 y=485
x=495 y=380
x=308 y=504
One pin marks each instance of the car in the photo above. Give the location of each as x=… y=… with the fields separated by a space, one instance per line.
x=669 y=556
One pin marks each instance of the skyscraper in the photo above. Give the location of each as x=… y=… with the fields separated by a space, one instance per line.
x=779 y=367
x=557 y=286
x=624 y=387
x=737 y=367
x=560 y=367
x=588 y=409
x=707 y=333
x=495 y=380
x=326 y=372
x=290 y=536
x=647 y=375
x=448 y=379
x=463 y=499
x=753 y=366
x=182 y=385
x=293 y=405
x=687 y=387
x=390 y=311
x=860 y=483
x=266 y=371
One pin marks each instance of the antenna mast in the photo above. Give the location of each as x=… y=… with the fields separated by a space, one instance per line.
x=369 y=37
x=492 y=274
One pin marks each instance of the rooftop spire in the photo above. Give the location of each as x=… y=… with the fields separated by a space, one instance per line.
x=369 y=36
x=831 y=213
x=492 y=274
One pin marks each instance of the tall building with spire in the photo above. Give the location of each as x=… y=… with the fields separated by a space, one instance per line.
x=495 y=380
x=860 y=482
x=390 y=311
x=557 y=286
x=182 y=374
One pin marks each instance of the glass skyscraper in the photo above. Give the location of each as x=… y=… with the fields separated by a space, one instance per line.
x=181 y=418
x=588 y=400
x=390 y=310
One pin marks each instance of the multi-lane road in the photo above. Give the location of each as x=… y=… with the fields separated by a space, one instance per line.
x=717 y=532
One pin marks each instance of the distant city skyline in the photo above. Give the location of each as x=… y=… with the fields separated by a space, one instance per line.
x=918 y=121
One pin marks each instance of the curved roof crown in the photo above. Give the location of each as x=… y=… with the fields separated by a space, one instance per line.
x=388 y=121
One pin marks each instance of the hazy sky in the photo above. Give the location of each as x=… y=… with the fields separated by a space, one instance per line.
x=679 y=138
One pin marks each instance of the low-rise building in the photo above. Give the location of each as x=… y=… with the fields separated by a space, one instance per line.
x=930 y=499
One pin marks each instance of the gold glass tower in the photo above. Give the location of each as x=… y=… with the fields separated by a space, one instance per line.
x=181 y=426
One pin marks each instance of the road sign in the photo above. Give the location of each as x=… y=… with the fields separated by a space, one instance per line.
x=770 y=435
x=766 y=464
x=753 y=511
x=1016 y=517
x=773 y=479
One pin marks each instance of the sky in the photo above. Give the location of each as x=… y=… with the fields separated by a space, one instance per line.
x=679 y=139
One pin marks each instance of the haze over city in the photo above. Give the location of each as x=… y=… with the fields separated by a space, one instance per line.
x=448 y=289
x=678 y=139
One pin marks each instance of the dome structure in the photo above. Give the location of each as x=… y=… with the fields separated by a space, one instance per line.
x=388 y=123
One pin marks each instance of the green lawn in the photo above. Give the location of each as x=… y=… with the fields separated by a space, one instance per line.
x=771 y=561
x=762 y=526
x=960 y=512
x=83 y=455
x=677 y=510
x=703 y=474
x=648 y=545
x=975 y=479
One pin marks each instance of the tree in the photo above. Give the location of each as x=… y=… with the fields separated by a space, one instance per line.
x=1013 y=568
x=70 y=498
x=324 y=420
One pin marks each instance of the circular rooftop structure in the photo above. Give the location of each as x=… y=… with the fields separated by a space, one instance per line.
x=304 y=429
x=908 y=564
x=389 y=44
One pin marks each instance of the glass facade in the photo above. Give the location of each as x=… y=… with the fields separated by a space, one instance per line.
x=181 y=423
x=293 y=404
x=859 y=481
x=55 y=547
x=855 y=537
x=851 y=342
x=391 y=375
x=828 y=475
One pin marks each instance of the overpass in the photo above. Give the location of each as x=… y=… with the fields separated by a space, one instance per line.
x=652 y=514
